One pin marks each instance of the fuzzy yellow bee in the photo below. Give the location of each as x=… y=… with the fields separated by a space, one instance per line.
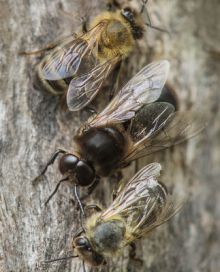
x=141 y=205
x=79 y=64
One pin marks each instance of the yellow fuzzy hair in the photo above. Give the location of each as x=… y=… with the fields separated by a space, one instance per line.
x=121 y=50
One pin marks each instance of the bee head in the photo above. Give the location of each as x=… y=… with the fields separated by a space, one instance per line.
x=86 y=252
x=128 y=14
x=131 y=17
x=79 y=170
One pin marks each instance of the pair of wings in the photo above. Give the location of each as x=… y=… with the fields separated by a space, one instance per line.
x=167 y=128
x=64 y=62
x=143 y=203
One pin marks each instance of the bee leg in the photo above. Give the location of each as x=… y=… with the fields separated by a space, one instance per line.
x=94 y=206
x=91 y=109
x=84 y=25
x=136 y=166
x=132 y=254
x=91 y=207
x=91 y=188
x=47 y=47
x=39 y=51
x=118 y=177
x=51 y=161
x=80 y=205
x=55 y=190
x=115 y=80
x=114 y=194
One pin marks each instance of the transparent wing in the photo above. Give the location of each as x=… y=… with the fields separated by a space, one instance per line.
x=133 y=191
x=145 y=87
x=151 y=170
x=84 y=88
x=173 y=129
x=150 y=119
x=171 y=207
x=64 y=61
x=156 y=214
x=143 y=203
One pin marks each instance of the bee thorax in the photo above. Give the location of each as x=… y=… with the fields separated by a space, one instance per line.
x=104 y=147
x=108 y=236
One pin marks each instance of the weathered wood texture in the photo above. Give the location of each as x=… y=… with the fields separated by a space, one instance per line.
x=32 y=126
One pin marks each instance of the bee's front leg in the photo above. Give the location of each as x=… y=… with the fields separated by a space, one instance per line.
x=115 y=80
x=94 y=207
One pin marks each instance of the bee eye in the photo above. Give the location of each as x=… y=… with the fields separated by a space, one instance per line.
x=84 y=173
x=68 y=163
x=128 y=14
x=81 y=241
x=127 y=9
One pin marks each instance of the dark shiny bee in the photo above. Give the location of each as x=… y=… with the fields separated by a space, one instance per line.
x=133 y=125
x=140 y=206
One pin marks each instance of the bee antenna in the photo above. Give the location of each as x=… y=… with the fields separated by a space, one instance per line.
x=55 y=190
x=157 y=28
x=60 y=259
x=144 y=3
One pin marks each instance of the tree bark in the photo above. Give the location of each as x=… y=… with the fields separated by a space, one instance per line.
x=33 y=126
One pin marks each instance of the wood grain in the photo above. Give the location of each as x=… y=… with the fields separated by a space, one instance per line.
x=33 y=125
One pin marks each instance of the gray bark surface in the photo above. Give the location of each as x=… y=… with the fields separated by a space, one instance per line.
x=33 y=125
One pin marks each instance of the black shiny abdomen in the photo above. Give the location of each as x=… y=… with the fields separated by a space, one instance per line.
x=102 y=147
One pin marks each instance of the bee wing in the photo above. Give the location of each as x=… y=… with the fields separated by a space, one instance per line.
x=143 y=203
x=84 y=88
x=136 y=189
x=151 y=170
x=174 y=129
x=171 y=207
x=145 y=87
x=63 y=62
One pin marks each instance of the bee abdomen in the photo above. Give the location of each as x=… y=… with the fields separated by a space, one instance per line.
x=169 y=95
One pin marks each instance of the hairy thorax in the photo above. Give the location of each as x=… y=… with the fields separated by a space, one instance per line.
x=108 y=236
x=116 y=37
x=102 y=147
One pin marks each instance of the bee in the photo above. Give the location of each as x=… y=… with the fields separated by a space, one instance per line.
x=140 y=206
x=79 y=64
x=133 y=125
